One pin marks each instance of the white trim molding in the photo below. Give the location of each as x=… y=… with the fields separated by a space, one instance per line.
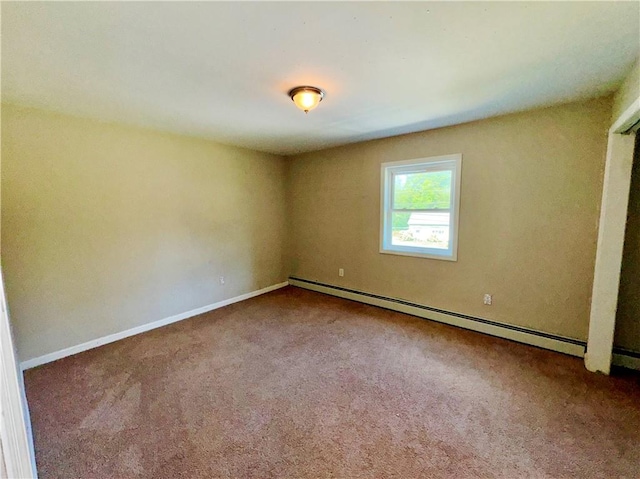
x=573 y=347
x=611 y=232
x=63 y=353
x=628 y=119
x=15 y=428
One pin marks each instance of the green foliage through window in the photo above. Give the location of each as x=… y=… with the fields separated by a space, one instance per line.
x=426 y=190
x=400 y=221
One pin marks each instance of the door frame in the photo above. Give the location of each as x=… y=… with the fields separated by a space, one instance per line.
x=15 y=427
x=611 y=231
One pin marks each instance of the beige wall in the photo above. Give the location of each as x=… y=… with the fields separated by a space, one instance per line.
x=531 y=188
x=628 y=315
x=628 y=92
x=106 y=227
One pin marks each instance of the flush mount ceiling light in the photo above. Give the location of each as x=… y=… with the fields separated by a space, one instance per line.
x=306 y=97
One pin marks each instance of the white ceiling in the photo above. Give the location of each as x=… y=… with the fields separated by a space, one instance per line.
x=222 y=70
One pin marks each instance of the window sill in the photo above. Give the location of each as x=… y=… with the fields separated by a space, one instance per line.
x=420 y=255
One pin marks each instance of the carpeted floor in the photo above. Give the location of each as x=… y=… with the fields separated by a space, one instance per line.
x=295 y=384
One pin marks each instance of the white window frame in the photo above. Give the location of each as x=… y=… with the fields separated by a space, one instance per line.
x=388 y=170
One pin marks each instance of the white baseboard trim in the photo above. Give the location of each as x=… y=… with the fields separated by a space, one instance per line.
x=560 y=344
x=626 y=359
x=94 y=343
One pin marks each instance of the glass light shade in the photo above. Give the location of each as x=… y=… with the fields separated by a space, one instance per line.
x=306 y=98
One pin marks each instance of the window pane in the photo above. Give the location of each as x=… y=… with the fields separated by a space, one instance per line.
x=426 y=190
x=423 y=230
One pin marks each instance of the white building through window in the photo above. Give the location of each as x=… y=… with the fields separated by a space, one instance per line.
x=420 y=203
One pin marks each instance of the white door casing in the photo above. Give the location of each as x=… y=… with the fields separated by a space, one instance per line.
x=17 y=446
x=611 y=231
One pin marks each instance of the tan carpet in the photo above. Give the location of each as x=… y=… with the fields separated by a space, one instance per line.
x=296 y=384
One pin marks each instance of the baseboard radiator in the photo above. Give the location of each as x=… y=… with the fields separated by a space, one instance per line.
x=571 y=346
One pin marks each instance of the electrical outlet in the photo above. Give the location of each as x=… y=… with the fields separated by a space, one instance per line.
x=341 y=272
x=488 y=299
x=221 y=279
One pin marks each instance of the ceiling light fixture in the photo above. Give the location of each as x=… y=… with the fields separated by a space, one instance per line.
x=306 y=97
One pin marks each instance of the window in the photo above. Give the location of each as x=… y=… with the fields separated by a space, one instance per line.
x=420 y=203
